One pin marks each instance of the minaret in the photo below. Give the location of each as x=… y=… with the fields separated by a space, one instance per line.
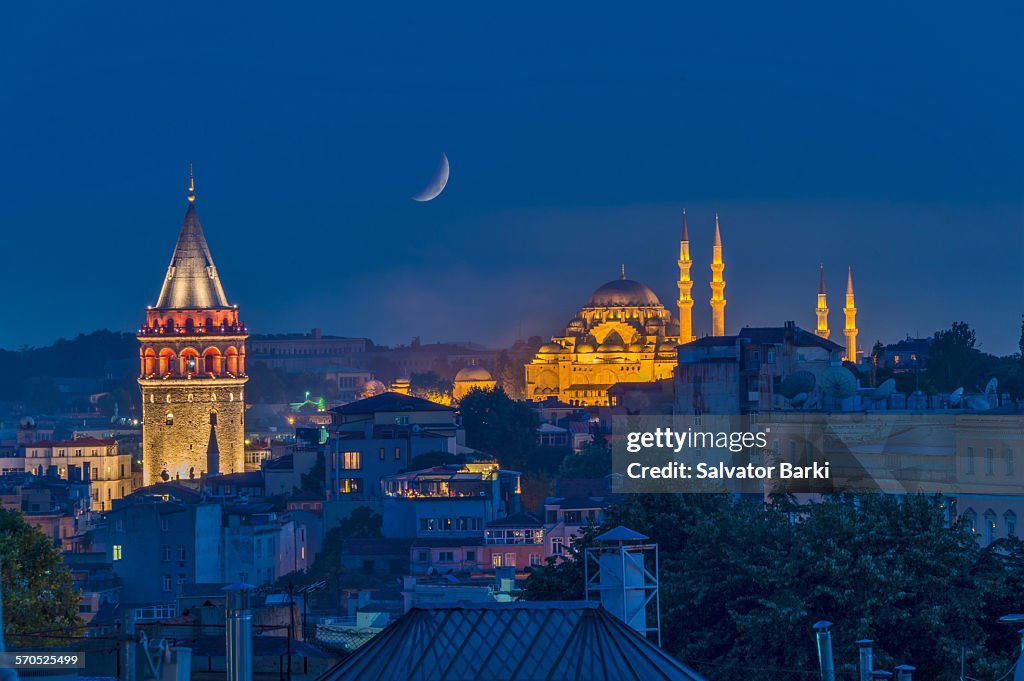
x=851 y=320
x=717 y=286
x=192 y=367
x=822 y=310
x=685 y=287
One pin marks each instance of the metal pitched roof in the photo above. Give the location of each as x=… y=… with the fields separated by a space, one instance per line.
x=510 y=642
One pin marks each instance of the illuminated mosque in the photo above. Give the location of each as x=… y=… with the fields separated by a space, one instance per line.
x=624 y=335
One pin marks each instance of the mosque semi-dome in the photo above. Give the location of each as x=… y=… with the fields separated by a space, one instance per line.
x=623 y=293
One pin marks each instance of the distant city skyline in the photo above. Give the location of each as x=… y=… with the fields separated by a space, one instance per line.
x=574 y=145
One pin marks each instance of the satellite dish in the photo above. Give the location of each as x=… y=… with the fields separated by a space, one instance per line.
x=956 y=397
x=990 y=387
x=883 y=391
x=978 y=403
x=838 y=383
x=796 y=383
x=798 y=399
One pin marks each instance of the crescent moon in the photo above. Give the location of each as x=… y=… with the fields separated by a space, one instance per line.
x=436 y=185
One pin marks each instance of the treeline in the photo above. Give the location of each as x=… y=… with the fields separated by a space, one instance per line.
x=28 y=373
x=743 y=582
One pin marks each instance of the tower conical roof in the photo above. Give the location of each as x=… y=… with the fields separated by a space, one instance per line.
x=192 y=282
x=718 y=233
x=685 y=235
x=821 y=280
x=849 y=281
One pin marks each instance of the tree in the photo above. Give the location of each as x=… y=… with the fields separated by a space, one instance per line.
x=953 y=358
x=742 y=582
x=361 y=523
x=499 y=426
x=433 y=459
x=313 y=481
x=431 y=386
x=38 y=595
x=593 y=461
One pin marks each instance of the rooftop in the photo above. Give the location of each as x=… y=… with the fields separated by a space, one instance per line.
x=387 y=402
x=512 y=642
x=191 y=282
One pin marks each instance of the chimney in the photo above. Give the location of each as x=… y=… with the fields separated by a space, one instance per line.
x=866 y=662
x=74 y=473
x=904 y=672
x=828 y=670
x=238 y=632
x=317 y=333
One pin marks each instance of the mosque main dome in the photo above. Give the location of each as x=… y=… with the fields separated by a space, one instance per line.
x=623 y=293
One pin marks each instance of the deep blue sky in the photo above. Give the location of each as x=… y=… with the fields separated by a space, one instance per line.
x=888 y=138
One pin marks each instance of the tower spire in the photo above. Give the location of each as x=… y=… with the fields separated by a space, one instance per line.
x=850 y=311
x=622 y=274
x=191 y=184
x=213 y=449
x=717 y=285
x=822 y=310
x=685 y=286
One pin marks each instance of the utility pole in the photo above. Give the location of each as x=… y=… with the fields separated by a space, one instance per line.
x=291 y=625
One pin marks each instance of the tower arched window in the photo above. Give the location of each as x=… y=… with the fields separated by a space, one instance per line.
x=189 y=361
x=168 y=362
x=169 y=419
x=212 y=361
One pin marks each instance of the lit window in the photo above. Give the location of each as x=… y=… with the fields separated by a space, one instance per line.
x=116 y=552
x=351 y=461
x=496 y=560
x=169 y=419
x=350 y=485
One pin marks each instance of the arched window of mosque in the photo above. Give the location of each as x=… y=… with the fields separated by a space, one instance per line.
x=190 y=326
x=169 y=419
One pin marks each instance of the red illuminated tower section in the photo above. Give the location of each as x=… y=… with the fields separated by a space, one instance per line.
x=192 y=368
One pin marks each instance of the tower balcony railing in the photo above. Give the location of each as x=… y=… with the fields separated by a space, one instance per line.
x=221 y=329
